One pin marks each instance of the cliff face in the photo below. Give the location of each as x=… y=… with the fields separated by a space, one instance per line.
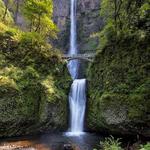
x=119 y=88
x=88 y=22
x=33 y=92
x=62 y=19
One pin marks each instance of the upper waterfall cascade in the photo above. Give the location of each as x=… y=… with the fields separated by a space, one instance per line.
x=73 y=65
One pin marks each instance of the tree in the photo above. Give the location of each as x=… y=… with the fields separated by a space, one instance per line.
x=123 y=14
x=124 y=17
x=39 y=15
x=7 y=4
x=6 y=8
x=5 y=15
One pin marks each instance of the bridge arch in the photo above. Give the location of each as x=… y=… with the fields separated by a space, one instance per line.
x=77 y=58
x=84 y=57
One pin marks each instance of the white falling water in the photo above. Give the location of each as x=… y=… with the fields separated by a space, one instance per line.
x=77 y=96
x=77 y=100
x=73 y=65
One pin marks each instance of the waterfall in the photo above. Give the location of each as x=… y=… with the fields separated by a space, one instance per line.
x=77 y=100
x=77 y=96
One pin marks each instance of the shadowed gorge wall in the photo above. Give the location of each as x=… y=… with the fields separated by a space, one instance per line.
x=61 y=17
x=119 y=87
x=89 y=22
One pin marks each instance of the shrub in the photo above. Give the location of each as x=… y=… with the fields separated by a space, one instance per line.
x=146 y=146
x=111 y=143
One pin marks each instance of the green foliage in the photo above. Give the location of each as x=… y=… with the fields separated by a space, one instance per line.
x=119 y=82
x=31 y=61
x=31 y=81
x=139 y=100
x=8 y=17
x=123 y=18
x=7 y=83
x=111 y=143
x=145 y=147
x=107 y=34
x=33 y=92
x=39 y=15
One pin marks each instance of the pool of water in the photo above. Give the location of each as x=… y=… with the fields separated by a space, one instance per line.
x=60 y=141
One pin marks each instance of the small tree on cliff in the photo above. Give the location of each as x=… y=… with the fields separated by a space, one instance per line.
x=39 y=15
x=123 y=17
x=4 y=6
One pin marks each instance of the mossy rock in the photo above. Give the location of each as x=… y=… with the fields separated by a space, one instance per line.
x=33 y=92
x=7 y=85
x=119 y=88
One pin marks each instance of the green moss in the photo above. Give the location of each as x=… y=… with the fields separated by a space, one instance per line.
x=33 y=92
x=6 y=83
x=90 y=44
x=139 y=102
x=146 y=146
x=119 y=82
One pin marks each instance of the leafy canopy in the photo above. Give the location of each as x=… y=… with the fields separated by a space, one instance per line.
x=39 y=15
x=5 y=15
x=124 y=17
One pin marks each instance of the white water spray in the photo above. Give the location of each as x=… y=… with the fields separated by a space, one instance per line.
x=77 y=96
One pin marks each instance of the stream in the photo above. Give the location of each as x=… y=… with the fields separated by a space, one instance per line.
x=57 y=141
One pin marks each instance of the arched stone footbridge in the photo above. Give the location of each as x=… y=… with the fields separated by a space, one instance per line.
x=85 y=57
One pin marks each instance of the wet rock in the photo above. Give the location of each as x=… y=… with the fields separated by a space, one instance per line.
x=68 y=147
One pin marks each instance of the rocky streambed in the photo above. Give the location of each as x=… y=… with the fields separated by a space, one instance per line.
x=51 y=142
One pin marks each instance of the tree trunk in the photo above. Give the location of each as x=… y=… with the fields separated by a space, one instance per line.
x=6 y=8
x=39 y=24
x=115 y=14
x=17 y=10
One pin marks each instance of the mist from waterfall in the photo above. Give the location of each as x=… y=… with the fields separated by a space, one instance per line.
x=77 y=96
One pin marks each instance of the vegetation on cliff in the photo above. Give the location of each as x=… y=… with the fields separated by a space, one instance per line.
x=111 y=143
x=33 y=92
x=119 y=83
